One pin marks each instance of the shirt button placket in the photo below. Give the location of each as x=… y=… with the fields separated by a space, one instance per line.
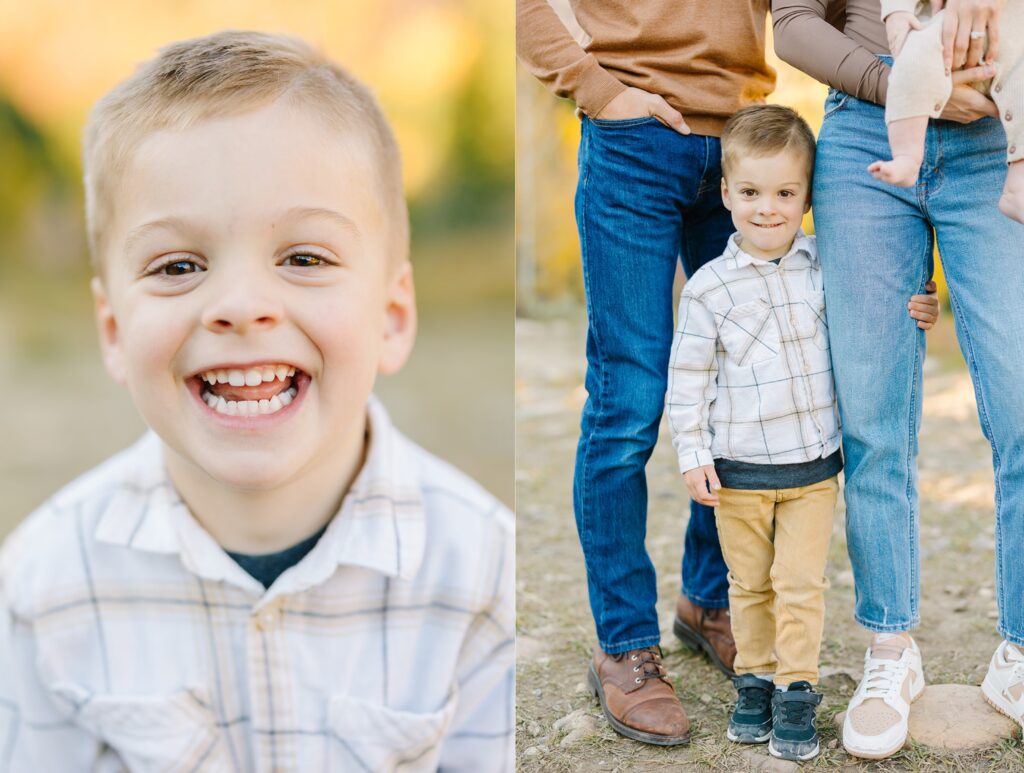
x=265 y=690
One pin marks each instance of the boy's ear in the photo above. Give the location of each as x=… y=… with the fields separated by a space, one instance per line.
x=106 y=324
x=725 y=194
x=807 y=204
x=399 y=320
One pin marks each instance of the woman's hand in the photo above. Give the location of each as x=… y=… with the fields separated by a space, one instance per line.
x=897 y=26
x=969 y=27
x=925 y=308
x=965 y=103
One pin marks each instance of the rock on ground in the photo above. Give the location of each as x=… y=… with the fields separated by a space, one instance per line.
x=954 y=717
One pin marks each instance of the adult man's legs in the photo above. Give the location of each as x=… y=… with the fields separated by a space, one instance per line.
x=637 y=181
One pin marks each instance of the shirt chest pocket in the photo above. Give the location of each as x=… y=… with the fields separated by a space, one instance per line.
x=367 y=736
x=809 y=319
x=750 y=333
x=166 y=733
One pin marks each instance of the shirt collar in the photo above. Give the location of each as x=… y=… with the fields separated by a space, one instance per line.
x=380 y=526
x=801 y=249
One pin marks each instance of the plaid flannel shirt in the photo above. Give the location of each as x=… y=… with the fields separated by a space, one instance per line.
x=750 y=377
x=130 y=640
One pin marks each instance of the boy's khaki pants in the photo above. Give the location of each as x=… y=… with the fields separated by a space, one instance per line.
x=775 y=543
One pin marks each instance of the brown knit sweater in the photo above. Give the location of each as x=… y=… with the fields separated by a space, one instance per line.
x=705 y=57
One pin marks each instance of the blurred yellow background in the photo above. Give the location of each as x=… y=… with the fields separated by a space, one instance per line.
x=443 y=72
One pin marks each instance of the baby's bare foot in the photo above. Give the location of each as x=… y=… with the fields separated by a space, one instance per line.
x=901 y=171
x=1011 y=203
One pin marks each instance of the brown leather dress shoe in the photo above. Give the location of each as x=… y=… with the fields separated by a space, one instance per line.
x=709 y=630
x=637 y=697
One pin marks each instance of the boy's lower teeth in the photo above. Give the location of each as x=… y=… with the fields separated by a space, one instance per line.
x=250 y=407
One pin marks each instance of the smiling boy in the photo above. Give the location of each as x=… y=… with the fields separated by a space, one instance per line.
x=274 y=578
x=754 y=422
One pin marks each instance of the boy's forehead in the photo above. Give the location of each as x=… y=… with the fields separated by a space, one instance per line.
x=274 y=163
x=790 y=163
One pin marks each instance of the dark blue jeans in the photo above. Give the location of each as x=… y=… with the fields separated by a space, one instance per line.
x=646 y=196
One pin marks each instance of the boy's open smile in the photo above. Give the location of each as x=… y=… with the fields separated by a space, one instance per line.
x=254 y=390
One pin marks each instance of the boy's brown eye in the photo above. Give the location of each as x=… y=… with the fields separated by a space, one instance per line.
x=179 y=267
x=303 y=259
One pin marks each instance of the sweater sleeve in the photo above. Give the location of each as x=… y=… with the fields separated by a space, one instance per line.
x=805 y=39
x=550 y=53
x=692 y=383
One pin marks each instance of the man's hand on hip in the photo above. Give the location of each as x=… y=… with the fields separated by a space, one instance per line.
x=637 y=103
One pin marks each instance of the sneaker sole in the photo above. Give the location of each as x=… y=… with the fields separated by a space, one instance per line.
x=594 y=683
x=994 y=699
x=794 y=757
x=747 y=737
x=872 y=755
x=695 y=641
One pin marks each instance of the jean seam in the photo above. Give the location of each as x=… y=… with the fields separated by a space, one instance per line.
x=598 y=414
x=986 y=425
x=911 y=489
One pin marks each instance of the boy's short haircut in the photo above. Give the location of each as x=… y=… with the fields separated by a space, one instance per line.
x=223 y=74
x=764 y=130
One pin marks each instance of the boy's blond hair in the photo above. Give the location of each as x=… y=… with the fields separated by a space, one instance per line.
x=764 y=130
x=224 y=74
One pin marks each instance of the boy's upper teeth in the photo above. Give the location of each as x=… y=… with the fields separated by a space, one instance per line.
x=249 y=376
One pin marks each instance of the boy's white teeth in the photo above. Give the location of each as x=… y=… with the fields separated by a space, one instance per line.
x=251 y=407
x=249 y=377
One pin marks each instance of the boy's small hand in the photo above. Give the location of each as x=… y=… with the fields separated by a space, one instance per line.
x=698 y=480
x=925 y=308
x=637 y=103
x=897 y=26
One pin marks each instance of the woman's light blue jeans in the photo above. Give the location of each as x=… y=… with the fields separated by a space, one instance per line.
x=647 y=197
x=876 y=244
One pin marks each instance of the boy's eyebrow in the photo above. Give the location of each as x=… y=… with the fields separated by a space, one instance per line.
x=339 y=219
x=293 y=213
x=139 y=232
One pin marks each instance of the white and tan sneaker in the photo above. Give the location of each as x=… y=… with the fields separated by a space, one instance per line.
x=876 y=719
x=1004 y=683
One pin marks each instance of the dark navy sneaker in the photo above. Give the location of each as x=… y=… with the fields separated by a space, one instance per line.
x=751 y=720
x=794 y=736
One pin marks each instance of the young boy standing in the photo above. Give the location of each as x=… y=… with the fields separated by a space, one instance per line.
x=753 y=416
x=274 y=578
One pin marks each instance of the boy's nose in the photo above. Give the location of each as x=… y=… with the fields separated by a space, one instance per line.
x=240 y=309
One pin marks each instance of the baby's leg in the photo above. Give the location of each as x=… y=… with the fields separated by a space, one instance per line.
x=918 y=89
x=1011 y=203
x=1008 y=94
x=906 y=140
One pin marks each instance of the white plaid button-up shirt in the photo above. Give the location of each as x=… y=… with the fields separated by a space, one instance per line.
x=750 y=377
x=130 y=641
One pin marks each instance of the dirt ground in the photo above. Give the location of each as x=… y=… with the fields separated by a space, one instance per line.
x=560 y=727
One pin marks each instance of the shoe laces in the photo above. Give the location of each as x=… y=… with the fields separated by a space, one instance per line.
x=882 y=677
x=795 y=713
x=647 y=663
x=752 y=699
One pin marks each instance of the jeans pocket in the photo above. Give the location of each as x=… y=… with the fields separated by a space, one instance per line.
x=750 y=333
x=835 y=101
x=622 y=123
